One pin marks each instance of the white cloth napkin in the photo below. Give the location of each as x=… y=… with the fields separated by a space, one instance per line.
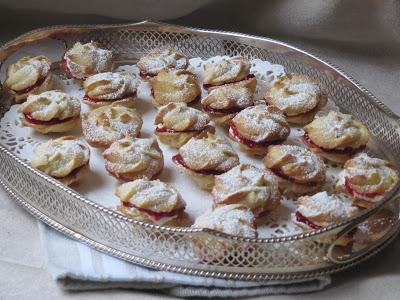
x=78 y=267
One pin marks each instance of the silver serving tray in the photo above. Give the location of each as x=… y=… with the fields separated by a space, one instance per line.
x=173 y=249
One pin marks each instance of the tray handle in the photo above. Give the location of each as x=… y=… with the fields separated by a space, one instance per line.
x=346 y=254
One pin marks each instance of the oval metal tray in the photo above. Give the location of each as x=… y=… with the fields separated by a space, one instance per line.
x=175 y=249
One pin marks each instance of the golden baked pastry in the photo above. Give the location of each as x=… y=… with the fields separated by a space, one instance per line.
x=366 y=179
x=336 y=136
x=174 y=86
x=249 y=186
x=51 y=111
x=84 y=60
x=233 y=219
x=223 y=103
x=298 y=96
x=153 y=202
x=107 y=124
x=177 y=123
x=233 y=70
x=298 y=169
x=29 y=75
x=203 y=158
x=158 y=60
x=321 y=210
x=129 y=159
x=106 y=88
x=256 y=127
x=65 y=158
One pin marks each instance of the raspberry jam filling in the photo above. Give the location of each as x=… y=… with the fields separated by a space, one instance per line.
x=352 y=192
x=302 y=219
x=30 y=119
x=347 y=150
x=30 y=88
x=178 y=159
x=233 y=110
x=279 y=173
x=164 y=129
x=68 y=70
x=156 y=215
x=145 y=75
x=120 y=176
x=94 y=100
x=125 y=176
x=167 y=130
x=247 y=142
x=209 y=85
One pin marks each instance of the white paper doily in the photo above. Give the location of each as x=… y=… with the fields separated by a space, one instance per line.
x=100 y=187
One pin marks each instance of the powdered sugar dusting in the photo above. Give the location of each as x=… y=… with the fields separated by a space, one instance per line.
x=110 y=85
x=58 y=157
x=110 y=123
x=50 y=105
x=102 y=57
x=154 y=195
x=43 y=65
x=26 y=72
x=339 y=124
x=175 y=86
x=278 y=223
x=209 y=153
x=180 y=117
x=231 y=219
x=294 y=94
x=321 y=203
x=368 y=175
x=259 y=123
x=232 y=68
x=310 y=164
x=86 y=59
x=133 y=155
x=227 y=97
x=254 y=187
x=158 y=60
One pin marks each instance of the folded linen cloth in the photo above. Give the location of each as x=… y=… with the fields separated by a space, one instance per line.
x=78 y=267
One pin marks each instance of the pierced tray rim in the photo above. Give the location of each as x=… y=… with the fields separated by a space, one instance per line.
x=28 y=37
x=260 y=277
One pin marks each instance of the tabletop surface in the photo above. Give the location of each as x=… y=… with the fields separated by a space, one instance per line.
x=23 y=272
